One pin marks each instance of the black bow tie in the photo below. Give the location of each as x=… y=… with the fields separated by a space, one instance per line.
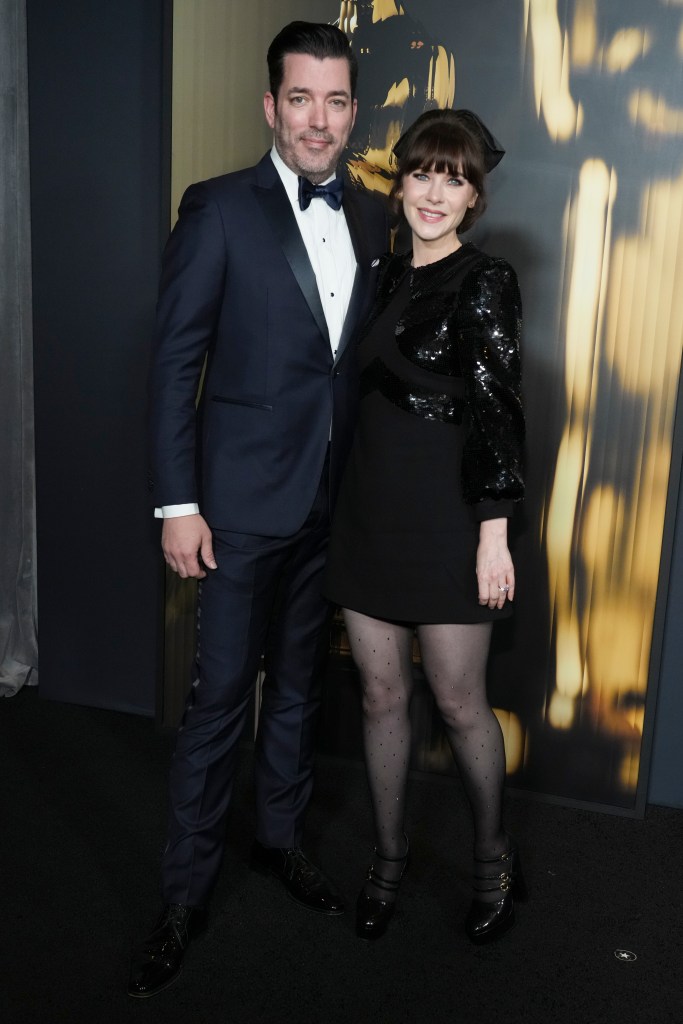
x=332 y=193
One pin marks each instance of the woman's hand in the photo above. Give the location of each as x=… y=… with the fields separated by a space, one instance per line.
x=495 y=571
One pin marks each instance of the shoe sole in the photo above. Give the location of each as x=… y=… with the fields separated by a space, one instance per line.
x=162 y=988
x=314 y=910
x=370 y=936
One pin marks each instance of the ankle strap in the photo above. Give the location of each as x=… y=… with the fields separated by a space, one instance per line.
x=389 y=885
x=394 y=860
x=502 y=883
x=391 y=860
x=496 y=860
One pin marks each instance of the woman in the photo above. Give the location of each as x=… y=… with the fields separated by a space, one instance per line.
x=419 y=541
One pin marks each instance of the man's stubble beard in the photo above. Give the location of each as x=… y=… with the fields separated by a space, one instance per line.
x=313 y=171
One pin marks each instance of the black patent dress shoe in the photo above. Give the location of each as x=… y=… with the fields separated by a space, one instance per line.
x=157 y=961
x=489 y=919
x=305 y=883
x=372 y=913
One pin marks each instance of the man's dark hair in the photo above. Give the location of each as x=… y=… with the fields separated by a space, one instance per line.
x=315 y=40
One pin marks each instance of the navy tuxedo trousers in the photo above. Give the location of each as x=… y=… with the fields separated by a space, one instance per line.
x=264 y=598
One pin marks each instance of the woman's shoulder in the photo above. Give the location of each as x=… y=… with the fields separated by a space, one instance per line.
x=483 y=263
x=489 y=273
x=490 y=288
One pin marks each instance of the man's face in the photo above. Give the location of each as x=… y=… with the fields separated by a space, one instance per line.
x=313 y=115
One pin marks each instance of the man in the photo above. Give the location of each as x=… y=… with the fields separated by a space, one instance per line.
x=268 y=277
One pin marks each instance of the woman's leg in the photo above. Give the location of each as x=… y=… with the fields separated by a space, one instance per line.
x=382 y=652
x=454 y=661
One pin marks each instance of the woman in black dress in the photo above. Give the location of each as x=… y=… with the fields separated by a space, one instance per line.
x=419 y=540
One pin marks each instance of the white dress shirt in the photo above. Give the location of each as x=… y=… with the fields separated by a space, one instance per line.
x=325 y=234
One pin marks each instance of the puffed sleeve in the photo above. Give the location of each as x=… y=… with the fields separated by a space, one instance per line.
x=490 y=315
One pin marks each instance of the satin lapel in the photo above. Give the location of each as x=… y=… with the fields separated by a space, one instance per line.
x=354 y=222
x=352 y=313
x=278 y=211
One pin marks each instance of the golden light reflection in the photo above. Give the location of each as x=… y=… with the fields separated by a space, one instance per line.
x=584 y=34
x=348 y=17
x=654 y=114
x=623 y=328
x=513 y=738
x=590 y=219
x=643 y=348
x=626 y=47
x=442 y=79
x=398 y=94
x=382 y=9
x=373 y=165
x=551 y=60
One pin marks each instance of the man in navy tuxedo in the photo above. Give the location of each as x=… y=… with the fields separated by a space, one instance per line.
x=266 y=279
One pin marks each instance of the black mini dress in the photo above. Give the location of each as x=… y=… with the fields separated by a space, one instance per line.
x=438 y=444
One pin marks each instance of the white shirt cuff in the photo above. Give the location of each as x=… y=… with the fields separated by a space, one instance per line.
x=172 y=511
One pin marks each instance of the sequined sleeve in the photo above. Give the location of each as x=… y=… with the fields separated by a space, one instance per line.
x=490 y=325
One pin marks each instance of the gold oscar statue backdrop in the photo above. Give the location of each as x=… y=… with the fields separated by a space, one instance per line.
x=587 y=98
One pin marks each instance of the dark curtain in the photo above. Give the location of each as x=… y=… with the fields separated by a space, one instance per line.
x=18 y=636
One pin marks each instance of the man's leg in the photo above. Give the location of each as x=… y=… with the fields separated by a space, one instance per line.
x=295 y=655
x=296 y=651
x=235 y=605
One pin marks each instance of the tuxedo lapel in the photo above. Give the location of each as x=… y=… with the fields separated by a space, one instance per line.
x=271 y=196
x=355 y=226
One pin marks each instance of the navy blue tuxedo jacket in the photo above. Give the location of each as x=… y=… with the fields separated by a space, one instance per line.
x=238 y=288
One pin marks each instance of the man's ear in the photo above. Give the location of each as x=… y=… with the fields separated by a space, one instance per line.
x=269 y=109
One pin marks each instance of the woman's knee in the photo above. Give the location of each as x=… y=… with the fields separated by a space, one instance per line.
x=460 y=712
x=383 y=696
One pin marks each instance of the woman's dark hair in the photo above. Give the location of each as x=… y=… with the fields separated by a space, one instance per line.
x=314 y=39
x=445 y=148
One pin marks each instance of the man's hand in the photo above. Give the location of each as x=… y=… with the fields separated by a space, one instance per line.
x=183 y=538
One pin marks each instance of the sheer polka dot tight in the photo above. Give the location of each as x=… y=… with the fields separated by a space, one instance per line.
x=454 y=663
x=382 y=652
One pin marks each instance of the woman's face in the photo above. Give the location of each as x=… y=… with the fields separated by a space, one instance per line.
x=434 y=204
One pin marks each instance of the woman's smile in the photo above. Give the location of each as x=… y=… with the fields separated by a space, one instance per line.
x=434 y=204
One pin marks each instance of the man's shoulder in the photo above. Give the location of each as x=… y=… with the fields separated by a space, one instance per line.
x=370 y=202
x=368 y=214
x=233 y=181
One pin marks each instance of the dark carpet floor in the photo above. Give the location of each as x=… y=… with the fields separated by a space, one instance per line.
x=82 y=817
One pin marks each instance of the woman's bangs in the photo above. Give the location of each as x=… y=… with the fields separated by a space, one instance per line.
x=439 y=151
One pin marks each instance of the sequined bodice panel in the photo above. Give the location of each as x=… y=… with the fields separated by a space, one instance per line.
x=442 y=343
x=400 y=360
x=426 y=338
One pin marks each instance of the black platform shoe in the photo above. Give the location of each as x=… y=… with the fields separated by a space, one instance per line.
x=372 y=914
x=486 y=920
